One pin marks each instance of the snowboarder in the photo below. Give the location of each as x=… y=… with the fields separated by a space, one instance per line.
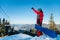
x=40 y=15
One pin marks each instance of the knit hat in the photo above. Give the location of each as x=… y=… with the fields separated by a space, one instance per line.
x=39 y=9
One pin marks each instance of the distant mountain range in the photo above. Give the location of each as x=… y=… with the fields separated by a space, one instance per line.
x=30 y=26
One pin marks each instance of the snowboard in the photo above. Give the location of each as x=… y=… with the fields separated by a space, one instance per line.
x=46 y=31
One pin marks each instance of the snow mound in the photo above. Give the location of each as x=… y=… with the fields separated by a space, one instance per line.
x=26 y=37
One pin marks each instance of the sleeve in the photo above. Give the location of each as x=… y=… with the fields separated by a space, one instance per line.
x=36 y=11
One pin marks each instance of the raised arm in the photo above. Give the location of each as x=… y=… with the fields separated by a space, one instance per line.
x=36 y=11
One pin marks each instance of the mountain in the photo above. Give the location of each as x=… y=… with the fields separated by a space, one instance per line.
x=31 y=26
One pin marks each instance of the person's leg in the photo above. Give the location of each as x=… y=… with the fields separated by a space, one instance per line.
x=39 y=33
x=40 y=23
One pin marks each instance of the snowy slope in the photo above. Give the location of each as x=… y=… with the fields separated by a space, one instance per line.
x=26 y=37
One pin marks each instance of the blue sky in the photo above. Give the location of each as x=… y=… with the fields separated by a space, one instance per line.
x=20 y=12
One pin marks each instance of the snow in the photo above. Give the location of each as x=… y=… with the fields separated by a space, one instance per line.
x=26 y=37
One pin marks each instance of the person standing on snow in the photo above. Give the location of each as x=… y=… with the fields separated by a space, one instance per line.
x=40 y=15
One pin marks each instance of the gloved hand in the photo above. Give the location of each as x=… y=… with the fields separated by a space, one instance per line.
x=32 y=8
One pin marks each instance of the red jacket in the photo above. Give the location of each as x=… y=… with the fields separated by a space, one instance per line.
x=40 y=14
